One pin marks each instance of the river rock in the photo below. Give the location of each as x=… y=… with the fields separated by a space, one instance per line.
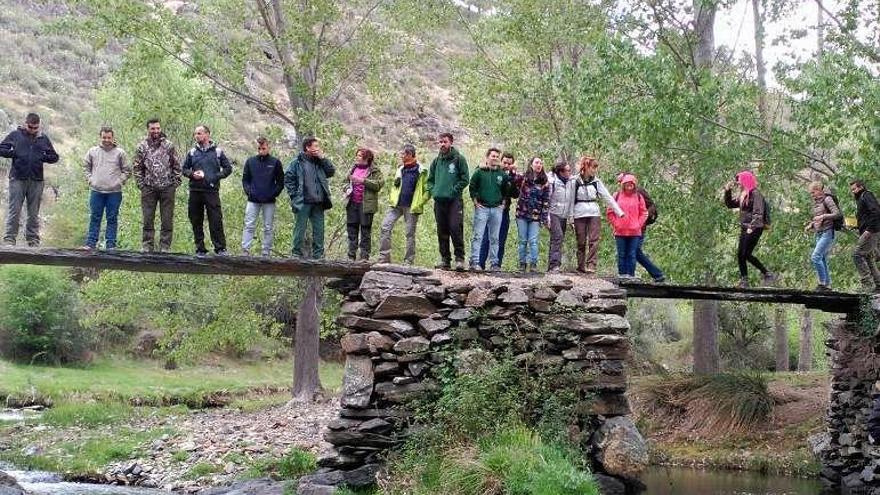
x=405 y=306
x=8 y=485
x=620 y=448
x=250 y=487
x=357 y=383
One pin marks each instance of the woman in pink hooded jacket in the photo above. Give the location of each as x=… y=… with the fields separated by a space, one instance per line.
x=751 y=206
x=628 y=228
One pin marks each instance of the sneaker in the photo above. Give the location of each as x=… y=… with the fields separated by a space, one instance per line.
x=823 y=288
x=769 y=279
x=659 y=280
x=443 y=265
x=201 y=254
x=743 y=283
x=222 y=252
x=523 y=267
x=554 y=269
x=459 y=266
x=245 y=252
x=494 y=268
x=473 y=268
x=87 y=247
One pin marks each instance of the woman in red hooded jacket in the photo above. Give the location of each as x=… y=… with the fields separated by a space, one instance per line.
x=628 y=228
x=751 y=206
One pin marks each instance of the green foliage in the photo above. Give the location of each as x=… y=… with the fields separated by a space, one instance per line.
x=746 y=336
x=38 y=316
x=294 y=464
x=202 y=469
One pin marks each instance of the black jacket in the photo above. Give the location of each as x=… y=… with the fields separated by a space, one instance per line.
x=262 y=178
x=210 y=160
x=867 y=212
x=28 y=154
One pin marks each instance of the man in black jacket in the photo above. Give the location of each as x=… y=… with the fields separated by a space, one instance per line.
x=29 y=150
x=263 y=180
x=205 y=165
x=868 y=218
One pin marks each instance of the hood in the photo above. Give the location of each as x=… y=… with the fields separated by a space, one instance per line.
x=747 y=180
x=624 y=178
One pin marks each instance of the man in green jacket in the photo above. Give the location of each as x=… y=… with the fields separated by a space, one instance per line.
x=447 y=179
x=489 y=186
x=409 y=193
x=306 y=183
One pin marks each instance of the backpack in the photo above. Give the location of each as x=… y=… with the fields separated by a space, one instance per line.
x=650 y=205
x=579 y=184
x=838 y=222
x=766 y=212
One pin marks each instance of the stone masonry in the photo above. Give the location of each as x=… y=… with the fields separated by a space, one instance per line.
x=851 y=465
x=403 y=323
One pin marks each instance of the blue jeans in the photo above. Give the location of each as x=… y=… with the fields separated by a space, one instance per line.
x=627 y=247
x=99 y=203
x=824 y=241
x=528 y=240
x=502 y=239
x=486 y=220
x=642 y=259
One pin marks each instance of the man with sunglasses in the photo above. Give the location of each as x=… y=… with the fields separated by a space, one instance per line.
x=29 y=149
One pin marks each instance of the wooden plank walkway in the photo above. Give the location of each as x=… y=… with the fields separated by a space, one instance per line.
x=833 y=302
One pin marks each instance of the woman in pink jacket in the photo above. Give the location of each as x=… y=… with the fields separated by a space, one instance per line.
x=628 y=228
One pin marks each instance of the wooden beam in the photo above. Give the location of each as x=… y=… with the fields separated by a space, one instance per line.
x=182 y=263
x=832 y=302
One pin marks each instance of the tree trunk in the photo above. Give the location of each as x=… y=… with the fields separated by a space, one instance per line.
x=820 y=29
x=805 y=354
x=780 y=342
x=705 y=320
x=760 y=65
x=705 y=316
x=306 y=381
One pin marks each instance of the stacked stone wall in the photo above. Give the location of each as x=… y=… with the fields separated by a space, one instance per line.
x=403 y=327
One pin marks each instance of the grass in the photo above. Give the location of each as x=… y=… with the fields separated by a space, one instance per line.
x=202 y=469
x=146 y=383
x=259 y=403
x=294 y=464
x=84 y=457
x=513 y=460
x=88 y=414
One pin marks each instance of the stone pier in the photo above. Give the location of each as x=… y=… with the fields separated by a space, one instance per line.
x=402 y=327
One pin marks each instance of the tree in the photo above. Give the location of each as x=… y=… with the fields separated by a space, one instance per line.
x=318 y=49
x=805 y=354
x=780 y=339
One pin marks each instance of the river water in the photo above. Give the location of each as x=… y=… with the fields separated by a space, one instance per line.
x=659 y=480
x=681 y=481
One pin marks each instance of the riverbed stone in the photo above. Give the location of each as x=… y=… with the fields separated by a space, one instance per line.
x=620 y=448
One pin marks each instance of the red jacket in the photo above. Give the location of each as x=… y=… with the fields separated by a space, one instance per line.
x=636 y=214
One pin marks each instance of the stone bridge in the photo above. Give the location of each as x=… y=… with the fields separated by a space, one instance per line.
x=405 y=323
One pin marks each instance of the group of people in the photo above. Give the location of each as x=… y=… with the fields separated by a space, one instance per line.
x=554 y=199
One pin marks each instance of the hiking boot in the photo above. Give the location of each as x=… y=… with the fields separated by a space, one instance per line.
x=743 y=283
x=474 y=268
x=494 y=268
x=523 y=267
x=443 y=265
x=459 y=265
x=769 y=279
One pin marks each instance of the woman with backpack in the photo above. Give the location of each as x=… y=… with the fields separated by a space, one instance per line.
x=825 y=220
x=584 y=208
x=560 y=200
x=362 y=193
x=532 y=209
x=753 y=217
x=641 y=258
x=628 y=227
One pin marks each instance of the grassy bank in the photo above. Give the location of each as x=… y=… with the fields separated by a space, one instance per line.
x=146 y=383
x=776 y=443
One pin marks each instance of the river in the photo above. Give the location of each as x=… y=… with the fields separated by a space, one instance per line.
x=682 y=481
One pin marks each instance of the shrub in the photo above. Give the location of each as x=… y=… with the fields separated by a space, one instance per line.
x=711 y=405
x=38 y=316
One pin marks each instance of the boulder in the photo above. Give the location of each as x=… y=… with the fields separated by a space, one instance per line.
x=8 y=485
x=609 y=485
x=620 y=448
x=357 y=383
x=405 y=306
